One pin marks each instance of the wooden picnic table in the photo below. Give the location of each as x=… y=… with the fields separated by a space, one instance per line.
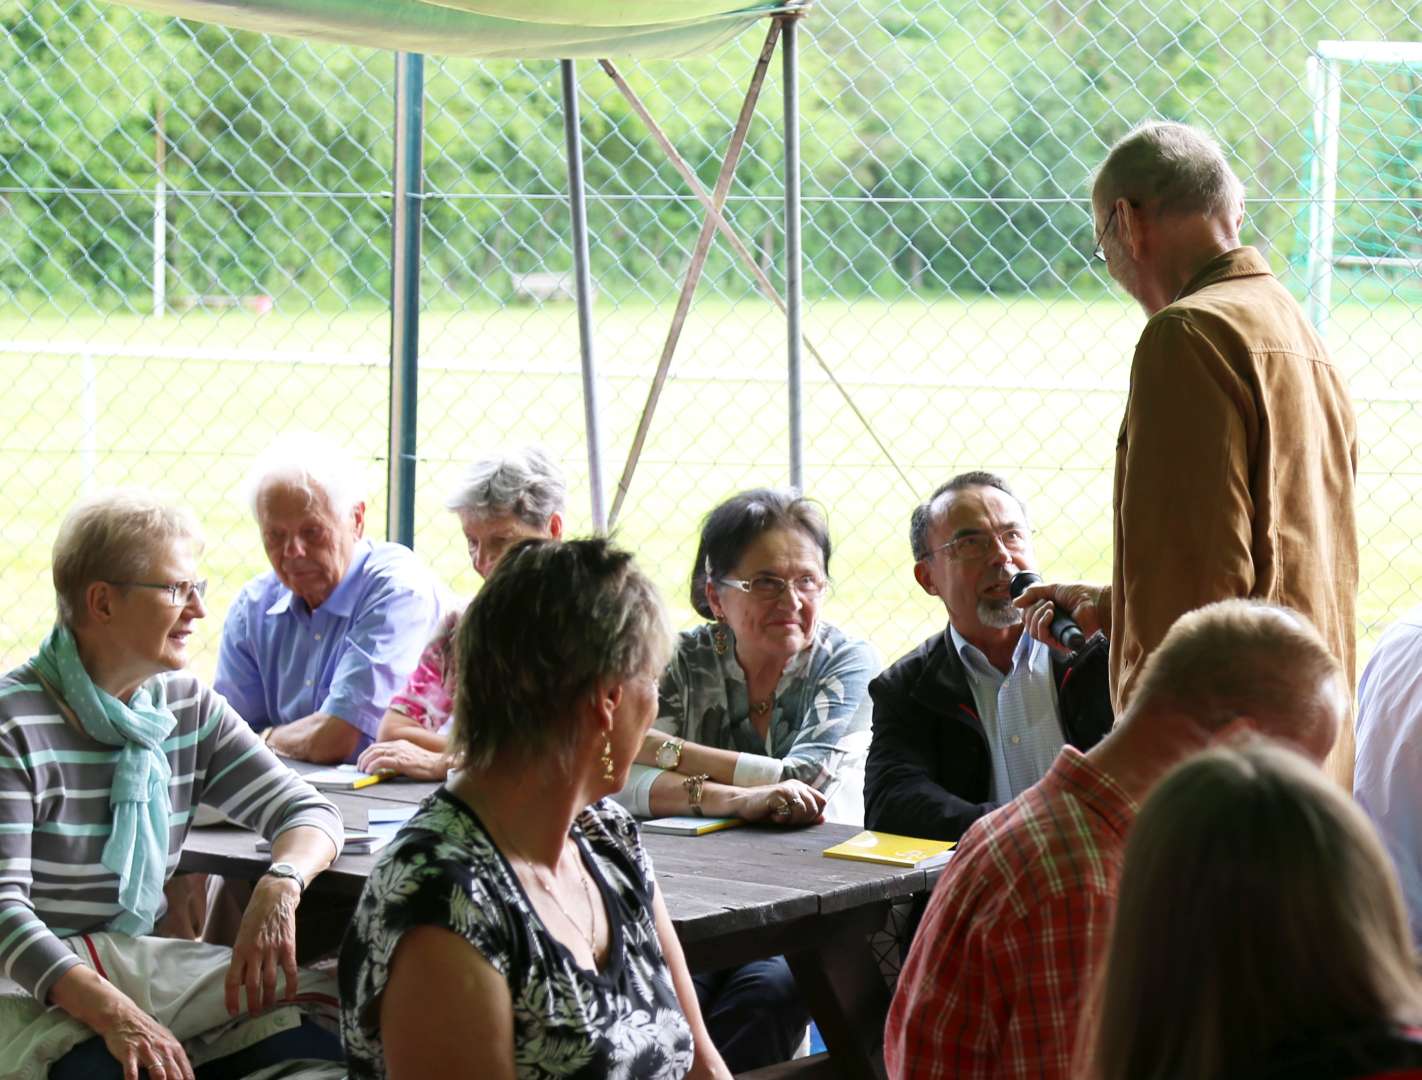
x=735 y=895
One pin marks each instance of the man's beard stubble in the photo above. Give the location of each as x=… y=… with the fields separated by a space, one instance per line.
x=999 y=614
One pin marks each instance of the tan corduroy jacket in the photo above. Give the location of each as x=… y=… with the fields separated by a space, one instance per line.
x=1234 y=470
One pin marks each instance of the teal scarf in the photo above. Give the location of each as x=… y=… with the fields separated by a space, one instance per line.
x=137 y=848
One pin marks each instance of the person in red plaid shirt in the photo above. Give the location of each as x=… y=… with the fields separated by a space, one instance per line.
x=1014 y=929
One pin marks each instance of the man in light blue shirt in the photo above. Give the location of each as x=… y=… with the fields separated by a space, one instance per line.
x=982 y=541
x=1387 y=777
x=313 y=651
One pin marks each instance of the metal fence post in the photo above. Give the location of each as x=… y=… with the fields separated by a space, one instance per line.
x=794 y=292
x=406 y=218
x=1325 y=87
x=160 y=212
x=582 y=284
x=89 y=419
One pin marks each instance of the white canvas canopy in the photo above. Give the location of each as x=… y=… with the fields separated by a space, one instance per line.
x=493 y=29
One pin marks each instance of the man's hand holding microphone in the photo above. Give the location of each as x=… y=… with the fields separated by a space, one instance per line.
x=1063 y=616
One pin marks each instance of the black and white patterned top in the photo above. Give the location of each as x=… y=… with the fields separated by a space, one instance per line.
x=443 y=870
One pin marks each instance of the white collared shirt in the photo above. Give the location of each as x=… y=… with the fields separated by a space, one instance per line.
x=1018 y=712
x=1387 y=778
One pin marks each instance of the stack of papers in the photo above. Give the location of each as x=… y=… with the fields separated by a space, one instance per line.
x=382 y=824
x=343 y=778
x=357 y=843
x=689 y=825
x=386 y=821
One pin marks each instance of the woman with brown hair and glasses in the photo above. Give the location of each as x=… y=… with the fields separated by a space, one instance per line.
x=764 y=715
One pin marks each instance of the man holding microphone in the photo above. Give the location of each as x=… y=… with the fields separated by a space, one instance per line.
x=1237 y=455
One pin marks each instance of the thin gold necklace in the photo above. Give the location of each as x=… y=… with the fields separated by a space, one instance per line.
x=590 y=935
x=760 y=708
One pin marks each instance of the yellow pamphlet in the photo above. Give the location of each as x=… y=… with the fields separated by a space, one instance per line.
x=882 y=847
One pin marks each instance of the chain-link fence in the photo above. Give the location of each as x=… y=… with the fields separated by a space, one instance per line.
x=195 y=254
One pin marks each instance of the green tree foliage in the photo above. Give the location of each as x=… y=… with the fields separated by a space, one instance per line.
x=947 y=148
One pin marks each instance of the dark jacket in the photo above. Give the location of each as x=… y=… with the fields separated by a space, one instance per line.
x=930 y=771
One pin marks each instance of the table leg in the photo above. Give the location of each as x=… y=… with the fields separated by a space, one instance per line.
x=845 y=991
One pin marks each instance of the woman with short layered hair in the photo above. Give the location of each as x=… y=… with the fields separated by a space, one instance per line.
x=514 y=928
x=501 y=499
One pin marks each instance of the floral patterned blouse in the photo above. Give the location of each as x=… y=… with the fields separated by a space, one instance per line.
x=624 y=1021
x=428 y=696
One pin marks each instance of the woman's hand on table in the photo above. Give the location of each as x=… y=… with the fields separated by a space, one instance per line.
x=790 y=802
x=405 y=758
x=266 y=943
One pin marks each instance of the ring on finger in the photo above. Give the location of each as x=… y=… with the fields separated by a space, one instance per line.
x=782 y=808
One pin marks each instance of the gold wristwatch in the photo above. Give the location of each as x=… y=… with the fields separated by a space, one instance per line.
x=669 y=754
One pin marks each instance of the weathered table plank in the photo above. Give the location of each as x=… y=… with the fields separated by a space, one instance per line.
x=735 y=895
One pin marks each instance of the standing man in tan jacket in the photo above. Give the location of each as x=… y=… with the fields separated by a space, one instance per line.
x=1237 y=454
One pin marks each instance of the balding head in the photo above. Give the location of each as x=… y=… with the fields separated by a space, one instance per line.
x=1174 y=168
x=1243 y=660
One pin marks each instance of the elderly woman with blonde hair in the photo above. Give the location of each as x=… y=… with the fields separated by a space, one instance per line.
x=107 y=747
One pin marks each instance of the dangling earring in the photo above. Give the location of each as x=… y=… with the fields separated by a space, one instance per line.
x=607 y=773
x=719 y=641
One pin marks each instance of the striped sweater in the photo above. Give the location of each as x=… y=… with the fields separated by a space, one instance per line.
x=55 y=817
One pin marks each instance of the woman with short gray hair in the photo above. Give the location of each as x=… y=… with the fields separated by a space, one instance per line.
x=501 y=499
x=516 y=912
x=522 y=485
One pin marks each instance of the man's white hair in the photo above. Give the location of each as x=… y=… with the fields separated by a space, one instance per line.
x=310 y=463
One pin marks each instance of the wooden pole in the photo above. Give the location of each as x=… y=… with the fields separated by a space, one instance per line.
x=698 y=263
x=739 y=247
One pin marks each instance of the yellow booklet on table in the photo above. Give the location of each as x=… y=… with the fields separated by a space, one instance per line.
x=891 y=850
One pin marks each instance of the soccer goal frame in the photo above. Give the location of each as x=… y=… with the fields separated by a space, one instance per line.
x=1325 y=85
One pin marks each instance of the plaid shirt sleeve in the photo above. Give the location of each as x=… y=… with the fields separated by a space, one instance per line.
x=1002 y=1001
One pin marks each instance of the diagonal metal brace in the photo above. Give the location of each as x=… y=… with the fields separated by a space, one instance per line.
x=722 y=226
x=698 y=263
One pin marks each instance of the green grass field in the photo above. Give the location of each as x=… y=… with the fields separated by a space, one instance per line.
x=1031 y=387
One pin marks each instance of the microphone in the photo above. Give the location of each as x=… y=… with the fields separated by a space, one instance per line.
x=1064 y=627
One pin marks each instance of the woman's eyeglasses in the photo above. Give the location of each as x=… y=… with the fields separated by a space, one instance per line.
x=177 y=593
x=770 y=587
